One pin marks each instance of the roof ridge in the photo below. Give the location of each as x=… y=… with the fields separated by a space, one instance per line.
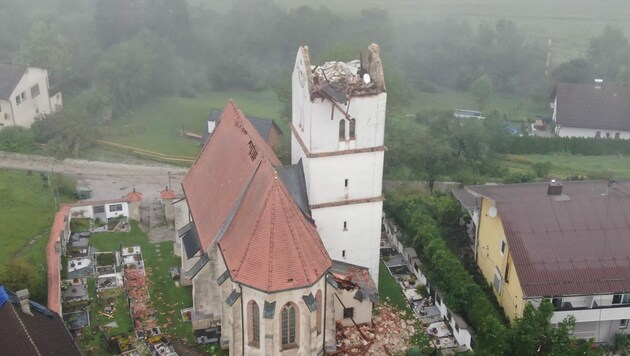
x=295 y=242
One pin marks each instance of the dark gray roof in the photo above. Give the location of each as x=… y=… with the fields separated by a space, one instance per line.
x=575 y=243
x=310 y=301
x=293 y=178
x=270 y=310
x=223 y=277
x=233 y=297
x=10 y=75
x=466 y=199
x=190 y=239
x=262 y=125
x=585 y=106
x=357 y=276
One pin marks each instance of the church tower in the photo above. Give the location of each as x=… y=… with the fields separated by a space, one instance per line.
x=338 y=126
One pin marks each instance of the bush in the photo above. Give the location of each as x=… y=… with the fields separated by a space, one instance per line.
x=17 y=139
x=572 y=145
x=541 y=169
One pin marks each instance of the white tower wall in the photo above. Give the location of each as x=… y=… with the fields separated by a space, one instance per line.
x=343 y=168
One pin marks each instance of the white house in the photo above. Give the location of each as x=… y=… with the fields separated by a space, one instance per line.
x=276 y=255
x=591 y=110
x=24 y=95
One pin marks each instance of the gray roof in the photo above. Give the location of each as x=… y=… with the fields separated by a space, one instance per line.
x=586 y=106
x=466 y=199
x=262 y=125
x=190 y=239
x=10 y=75
x=293 y=178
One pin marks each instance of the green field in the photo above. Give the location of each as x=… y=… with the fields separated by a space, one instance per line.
x=27 y=213
x=157 y=124
x=565 y=165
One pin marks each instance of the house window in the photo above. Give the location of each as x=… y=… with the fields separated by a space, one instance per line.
x=98 y=209
x=348 y=313
x=342 y=130
x=621 y=299
x=498 y=282
x=607 y=134
x=598 y=134
x=254 y=324
x=345 y=226
x=35 y=91
x=343 y=253
x=345 y=183
x=18 y=100
x=617 y=135
x=288 y=321
x=623 y=324
x=115 y=207
x=507 y=272
x=23 y=96
x=352 y=129
x=318 y=322
x=502 y=247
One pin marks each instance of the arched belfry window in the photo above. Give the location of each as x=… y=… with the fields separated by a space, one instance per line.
x=254 y=324
x=342 y=130
x=289 y=320
x=352 y=129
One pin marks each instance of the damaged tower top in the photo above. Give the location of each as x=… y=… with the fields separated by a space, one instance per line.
x=340 y=81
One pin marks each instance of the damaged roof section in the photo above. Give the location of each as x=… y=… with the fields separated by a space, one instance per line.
x=340 y=81
x=350 y=277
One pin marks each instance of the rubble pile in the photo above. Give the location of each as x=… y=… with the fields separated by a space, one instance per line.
x=388 y=334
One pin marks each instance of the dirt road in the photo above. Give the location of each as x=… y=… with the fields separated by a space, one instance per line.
x=107 y=180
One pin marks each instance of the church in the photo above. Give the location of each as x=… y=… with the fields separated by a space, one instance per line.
x=279 y=255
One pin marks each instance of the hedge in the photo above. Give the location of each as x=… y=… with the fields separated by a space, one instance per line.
x=573 y=145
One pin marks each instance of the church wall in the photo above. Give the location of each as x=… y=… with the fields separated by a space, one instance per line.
x=328 y=175
x=362 y=310
x=361 y=240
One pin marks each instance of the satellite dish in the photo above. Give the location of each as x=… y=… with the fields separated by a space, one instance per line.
x=492 y=212
x=366 y=78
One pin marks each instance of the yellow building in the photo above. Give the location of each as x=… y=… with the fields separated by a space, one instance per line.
x=569 y=243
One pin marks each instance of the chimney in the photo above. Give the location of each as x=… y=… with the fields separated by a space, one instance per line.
x=554 y=188
x=599 y=83
x=23 y=298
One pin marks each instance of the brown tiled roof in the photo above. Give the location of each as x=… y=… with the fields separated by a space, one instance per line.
x=573 y=244
x=53 y=259
x=237 y=199
x=585 y=106
x=37 y=334
x=223 y=169
x=270 y=245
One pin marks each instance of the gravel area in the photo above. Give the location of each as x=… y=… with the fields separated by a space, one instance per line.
x=107 y=180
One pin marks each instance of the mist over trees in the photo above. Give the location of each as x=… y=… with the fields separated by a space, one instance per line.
x=124 y=52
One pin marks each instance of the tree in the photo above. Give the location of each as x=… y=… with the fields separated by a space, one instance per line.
x=481 y=90
x=434 y=158
x=44 y=47
x=574 y=71
x=18 y=273
x=609 y=53
x=16 y=139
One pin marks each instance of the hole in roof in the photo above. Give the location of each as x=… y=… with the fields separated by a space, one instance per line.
x=253 y=153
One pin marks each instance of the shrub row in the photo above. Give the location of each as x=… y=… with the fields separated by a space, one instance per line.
x=573 y=145
x=420 y=216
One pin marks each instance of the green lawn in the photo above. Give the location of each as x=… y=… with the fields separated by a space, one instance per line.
x=167 y=299
x=565 y=165
x=157 y=124
x=27 y=213
x=390 y=291
x=121 y=314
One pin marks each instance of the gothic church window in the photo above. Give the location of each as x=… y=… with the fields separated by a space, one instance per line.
x=289 y=326
x=342 y=130
x=254 y=324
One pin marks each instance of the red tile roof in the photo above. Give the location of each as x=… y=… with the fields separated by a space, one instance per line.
x=53 y=259
x=236 y=197
x=270 y=245
x=573 y=244
x=167 y=194
x=134 y=196
x=219 y=175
